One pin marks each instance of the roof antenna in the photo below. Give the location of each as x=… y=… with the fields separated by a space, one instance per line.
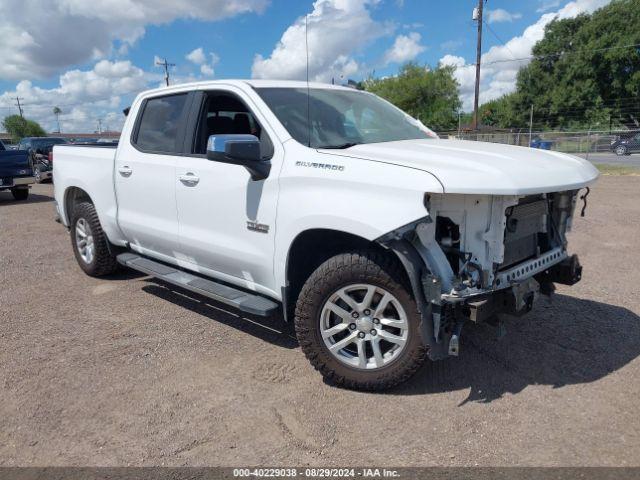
x=306 y=43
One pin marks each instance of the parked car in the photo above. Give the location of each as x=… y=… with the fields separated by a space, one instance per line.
x=40 y=149
x=626 y=144
x=538 y=142
x=378 y=241
x=16 y=173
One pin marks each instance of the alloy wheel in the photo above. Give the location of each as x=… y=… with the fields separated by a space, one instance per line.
x=364 y=326
x=84 y=241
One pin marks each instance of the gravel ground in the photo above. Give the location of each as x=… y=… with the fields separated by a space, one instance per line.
x=123 y=371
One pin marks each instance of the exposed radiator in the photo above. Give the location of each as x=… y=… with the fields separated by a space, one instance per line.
x=524 y=222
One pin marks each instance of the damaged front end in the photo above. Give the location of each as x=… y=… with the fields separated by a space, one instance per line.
x=474 y=257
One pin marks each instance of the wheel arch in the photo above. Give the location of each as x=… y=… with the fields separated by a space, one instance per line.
x=309 y=249
x=73 y=196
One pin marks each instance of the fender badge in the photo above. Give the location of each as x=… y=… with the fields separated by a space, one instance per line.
x=323 y=166
x=257 y=227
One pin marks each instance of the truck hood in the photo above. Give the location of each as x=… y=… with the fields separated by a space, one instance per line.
x=482 y=168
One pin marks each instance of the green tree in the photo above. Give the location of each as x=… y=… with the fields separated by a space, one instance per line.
x=431 y=95
x=499 y=113
x=586 y=72
x=19 y=127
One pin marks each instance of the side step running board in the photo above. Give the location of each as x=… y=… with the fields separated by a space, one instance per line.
x=243 y=301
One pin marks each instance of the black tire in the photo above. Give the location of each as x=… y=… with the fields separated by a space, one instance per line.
x=37 y=175
x=104 y=259
x=361 y=267
x=20 y=193
x=621 y=150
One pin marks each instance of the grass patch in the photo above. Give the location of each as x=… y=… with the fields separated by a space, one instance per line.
x=617 y=169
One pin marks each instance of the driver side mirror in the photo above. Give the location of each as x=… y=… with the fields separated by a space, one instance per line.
x=241 y=150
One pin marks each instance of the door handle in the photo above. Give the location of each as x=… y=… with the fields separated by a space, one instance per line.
x=189 y=179
x=125 y=171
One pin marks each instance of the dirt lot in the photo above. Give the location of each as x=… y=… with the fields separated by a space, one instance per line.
x=123 y=371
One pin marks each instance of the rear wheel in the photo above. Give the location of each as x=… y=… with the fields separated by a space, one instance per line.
x=90 y=244
x=621 y=150
x=20 y=193
x=37 y=175
x=357 y=323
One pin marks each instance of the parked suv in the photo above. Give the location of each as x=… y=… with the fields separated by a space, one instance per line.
x=626 y=144
x=41 y=149
x=329 y=206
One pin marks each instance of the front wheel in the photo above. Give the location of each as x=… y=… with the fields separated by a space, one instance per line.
x=90 y=244
x=37 y=175
x=357 y=323
x=621 y=150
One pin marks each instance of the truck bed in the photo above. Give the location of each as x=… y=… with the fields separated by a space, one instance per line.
x=88 y=168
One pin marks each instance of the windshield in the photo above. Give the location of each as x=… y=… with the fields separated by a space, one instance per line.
x=340 y=118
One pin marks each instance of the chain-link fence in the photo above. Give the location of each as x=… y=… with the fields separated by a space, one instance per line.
x=579 y=142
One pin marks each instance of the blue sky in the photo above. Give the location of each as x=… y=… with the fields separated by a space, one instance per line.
x=89 y=57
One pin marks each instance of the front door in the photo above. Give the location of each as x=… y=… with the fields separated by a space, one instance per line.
x=145 y=176
x=227 y=220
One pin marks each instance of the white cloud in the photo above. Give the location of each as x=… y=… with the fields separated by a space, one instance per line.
x=97 y=93
x=546 y=5
x=41 y=37
x=404 y=49
x=197 y=56
x=338 y=29
x=499 y=69
x=207 y=70
x=84 y=96
x=501 y=15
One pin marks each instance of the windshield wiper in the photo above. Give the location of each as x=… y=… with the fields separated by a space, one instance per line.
x=340 y=146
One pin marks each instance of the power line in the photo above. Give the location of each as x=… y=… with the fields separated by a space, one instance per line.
x=499 y=39
x=559 y=54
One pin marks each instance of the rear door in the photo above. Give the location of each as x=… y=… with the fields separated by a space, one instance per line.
x=227 y=220
x=145 y=176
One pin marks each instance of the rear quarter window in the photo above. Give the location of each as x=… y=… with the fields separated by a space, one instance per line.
x=159 y=124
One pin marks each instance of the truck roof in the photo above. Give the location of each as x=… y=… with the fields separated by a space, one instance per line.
x=240 y=82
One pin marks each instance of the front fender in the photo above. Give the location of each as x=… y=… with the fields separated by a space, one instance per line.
x=361 y=197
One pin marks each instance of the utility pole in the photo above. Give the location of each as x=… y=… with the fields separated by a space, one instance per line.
x=19 y=106
x=57 y=112
x=459 y=124
x=477 y=16
x=166 y=66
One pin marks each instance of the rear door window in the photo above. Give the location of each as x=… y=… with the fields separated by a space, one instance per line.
x=159 y=124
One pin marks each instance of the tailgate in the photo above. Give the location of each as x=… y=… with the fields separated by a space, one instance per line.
x=15 y=163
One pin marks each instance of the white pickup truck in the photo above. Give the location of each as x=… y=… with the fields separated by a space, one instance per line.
x=329 y=206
